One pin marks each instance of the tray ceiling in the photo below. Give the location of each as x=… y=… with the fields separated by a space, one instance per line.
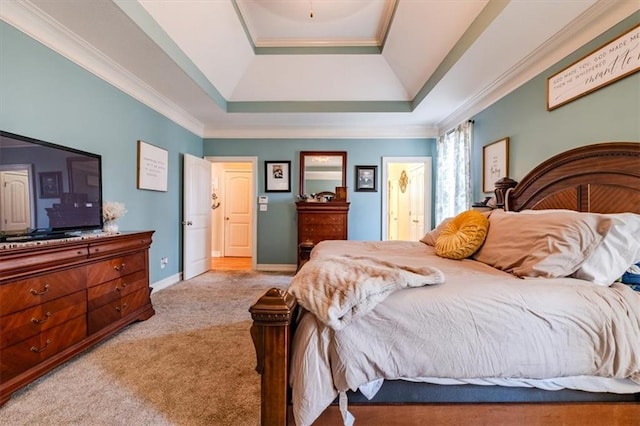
x=262 y=68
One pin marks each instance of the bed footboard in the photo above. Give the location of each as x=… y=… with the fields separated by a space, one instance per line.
x=271 y=332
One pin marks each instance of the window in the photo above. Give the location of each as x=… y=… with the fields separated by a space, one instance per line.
x=453 y=173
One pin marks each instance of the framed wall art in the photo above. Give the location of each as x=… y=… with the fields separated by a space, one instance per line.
x=609 y=63
x=495 y=163
x=277 y=176
x=366 y=178
x=152 y=167
x=50 y=184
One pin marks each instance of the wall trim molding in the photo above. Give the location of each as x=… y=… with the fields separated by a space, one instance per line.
x=31 y=20
x=167 y=282
x=28 y=18
x=294 y=132
x=587 y=27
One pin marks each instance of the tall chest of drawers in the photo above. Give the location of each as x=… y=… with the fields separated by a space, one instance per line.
x=321 y=221
x=58 y=298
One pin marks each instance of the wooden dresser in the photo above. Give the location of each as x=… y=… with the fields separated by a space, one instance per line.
x=320 y=221
x=58 y=298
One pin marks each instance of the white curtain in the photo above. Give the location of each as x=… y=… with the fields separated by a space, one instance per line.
x=453 y=174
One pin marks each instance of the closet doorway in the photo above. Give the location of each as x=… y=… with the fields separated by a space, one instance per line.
x=406 y=197
x=233 y=215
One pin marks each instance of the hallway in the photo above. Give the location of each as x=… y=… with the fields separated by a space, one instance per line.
x=231 y=263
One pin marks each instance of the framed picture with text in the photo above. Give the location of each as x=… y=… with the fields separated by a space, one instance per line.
x=152 y=167
x=277 y=176
x=495 y=163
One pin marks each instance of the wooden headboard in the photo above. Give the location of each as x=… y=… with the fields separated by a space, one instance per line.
x=601 y=178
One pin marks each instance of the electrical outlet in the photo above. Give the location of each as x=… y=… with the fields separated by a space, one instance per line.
x=163 y=262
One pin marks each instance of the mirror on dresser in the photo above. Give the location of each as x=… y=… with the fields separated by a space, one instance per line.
x=322 y=171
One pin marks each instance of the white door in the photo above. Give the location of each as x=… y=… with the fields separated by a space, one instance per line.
x=237 y=210
x=15 y=204
x=416 y=203
x=196 y=223
x=393 y=209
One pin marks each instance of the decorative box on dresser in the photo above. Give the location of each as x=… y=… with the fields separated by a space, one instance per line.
x=319 y=221
x=59 y=297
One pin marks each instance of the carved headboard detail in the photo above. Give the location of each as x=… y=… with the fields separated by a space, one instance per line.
x=602 y=178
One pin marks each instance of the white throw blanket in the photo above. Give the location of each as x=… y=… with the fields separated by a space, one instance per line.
x=339 y=289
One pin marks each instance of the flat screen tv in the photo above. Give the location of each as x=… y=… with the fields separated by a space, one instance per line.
x=47 y=190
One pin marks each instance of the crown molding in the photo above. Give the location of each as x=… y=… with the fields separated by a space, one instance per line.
x=335 y=132
x=592 y=23
x=277 y=46
x=31 y=20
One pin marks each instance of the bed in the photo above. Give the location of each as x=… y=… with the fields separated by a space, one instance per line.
x=532 y=382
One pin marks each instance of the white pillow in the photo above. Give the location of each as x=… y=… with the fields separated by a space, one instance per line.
x=618 y=250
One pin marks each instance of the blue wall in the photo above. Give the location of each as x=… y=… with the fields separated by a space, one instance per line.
x=45 y=96
x=277 y=227
x=611 y=113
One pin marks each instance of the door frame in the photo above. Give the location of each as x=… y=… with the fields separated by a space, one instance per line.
x=428 y=195
x=254 y=216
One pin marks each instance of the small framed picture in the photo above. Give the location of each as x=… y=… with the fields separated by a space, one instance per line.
x=50 y=184
x=277 y=176
x=366 y=178
x=495 y=163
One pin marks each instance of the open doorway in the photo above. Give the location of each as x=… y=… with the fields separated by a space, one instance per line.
x=233 y=215
x=406 y=197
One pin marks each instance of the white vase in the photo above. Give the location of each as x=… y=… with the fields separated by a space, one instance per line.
x=110 y=227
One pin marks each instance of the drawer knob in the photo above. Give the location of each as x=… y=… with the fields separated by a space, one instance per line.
x=40 y=293
x=38 y=350
x=119 y=267
x=41 y=320
x=121 y=288
x=124 y=307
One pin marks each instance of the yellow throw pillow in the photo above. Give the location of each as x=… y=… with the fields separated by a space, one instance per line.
x=463 y=235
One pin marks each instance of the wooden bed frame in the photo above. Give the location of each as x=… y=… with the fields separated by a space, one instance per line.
x=602 y=178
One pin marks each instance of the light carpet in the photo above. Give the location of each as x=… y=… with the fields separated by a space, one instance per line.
x=190 y=364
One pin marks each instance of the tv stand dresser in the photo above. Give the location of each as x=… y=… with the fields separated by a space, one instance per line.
x=60 y=297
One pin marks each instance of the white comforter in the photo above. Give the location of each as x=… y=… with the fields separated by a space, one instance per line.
x=481 y=323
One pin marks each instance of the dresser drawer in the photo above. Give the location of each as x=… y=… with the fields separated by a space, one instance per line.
x=101 y=247
x=23 y=294
x=26 y=354
x=112 y=290
x=330 y=232
x=118 y=267
x=113 y=311
x=32 y=321
x=322 y=219
x=134 y=301
x=15 y=264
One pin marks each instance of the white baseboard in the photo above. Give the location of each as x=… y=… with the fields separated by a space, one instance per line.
x=216 y=253
x=167 y=282
x=275 y=267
